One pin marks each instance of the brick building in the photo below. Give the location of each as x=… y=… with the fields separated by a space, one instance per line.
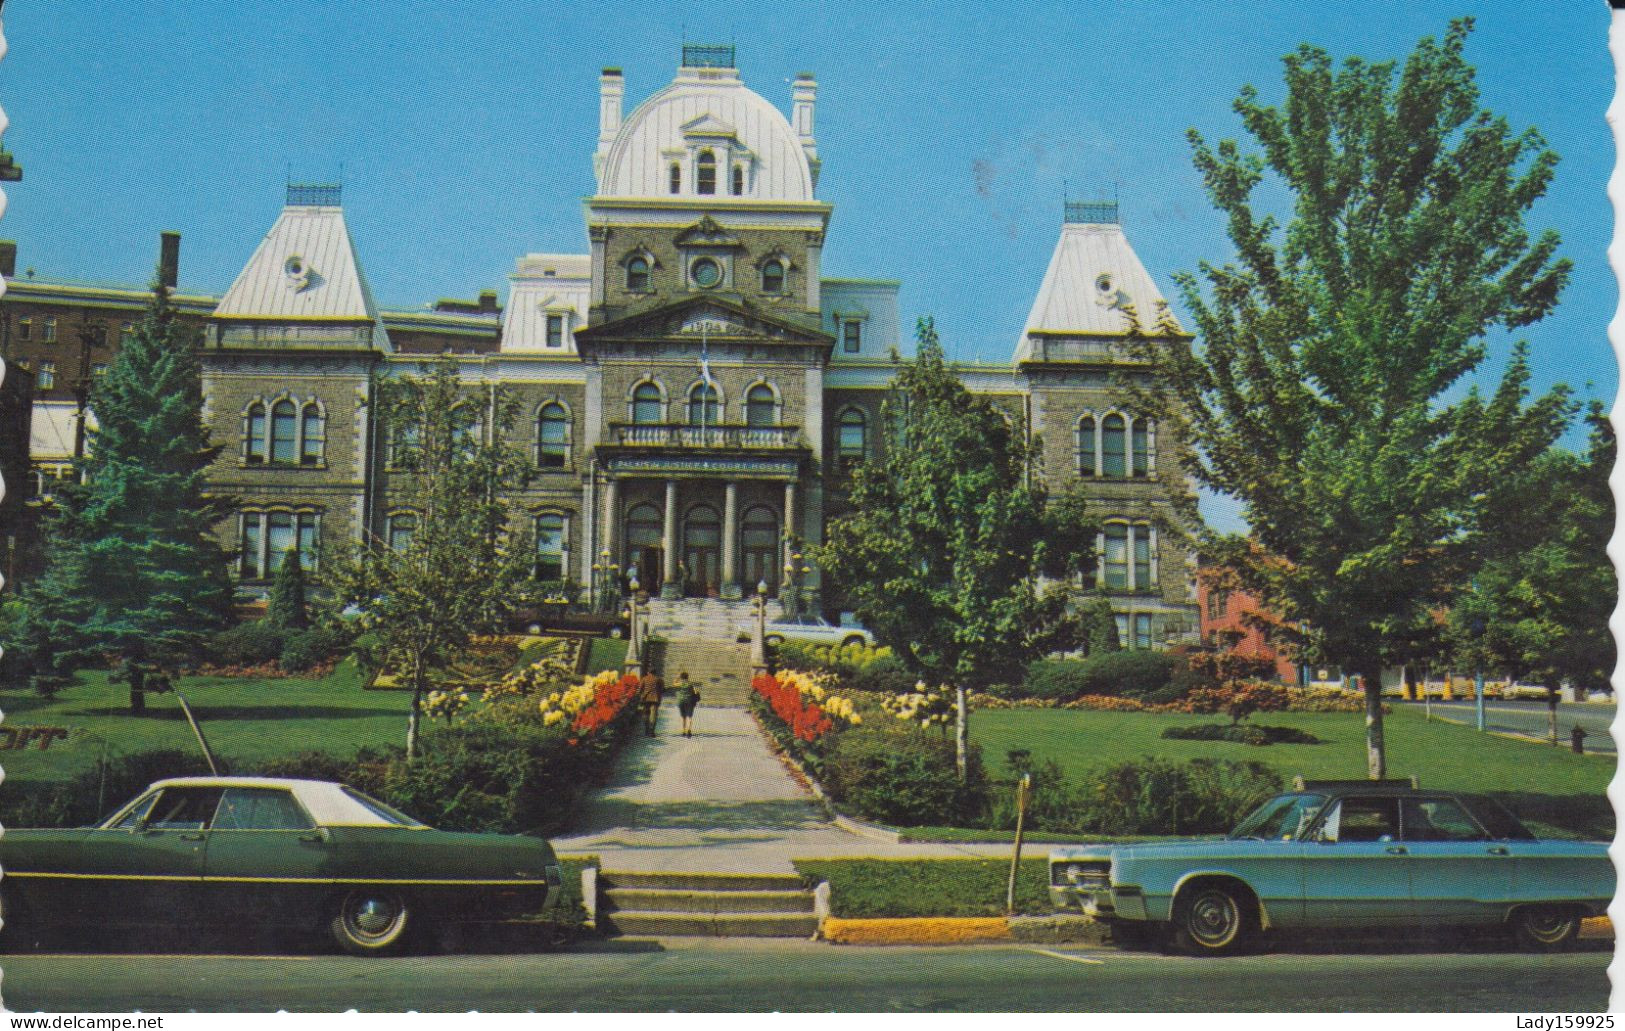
x=693 y=390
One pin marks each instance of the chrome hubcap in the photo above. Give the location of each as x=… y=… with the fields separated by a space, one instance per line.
x=1547 y=926
x=1213 y=919
x=374 y=916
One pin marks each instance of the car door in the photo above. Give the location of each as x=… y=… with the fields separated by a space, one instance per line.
x=1458 y=875
x=149 y=868
x=267 y=861
x=1356 y=869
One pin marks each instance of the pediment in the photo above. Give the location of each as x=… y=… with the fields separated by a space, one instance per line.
x=705 y=318
x=709 y=125
x=707 y=232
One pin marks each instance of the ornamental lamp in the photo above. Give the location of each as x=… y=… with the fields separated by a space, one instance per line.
x=761 y=588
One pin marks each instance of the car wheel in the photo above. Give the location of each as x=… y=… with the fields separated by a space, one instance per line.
x=1546 y=928
x=774 y=639
x=371 y=922
x=1214 y=920
x=855 y=639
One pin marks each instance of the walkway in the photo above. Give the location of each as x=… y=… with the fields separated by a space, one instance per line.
x=720 y=802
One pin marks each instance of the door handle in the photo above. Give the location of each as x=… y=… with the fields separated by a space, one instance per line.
x=1396 y=850
x=1498 y=850
x=196 y=836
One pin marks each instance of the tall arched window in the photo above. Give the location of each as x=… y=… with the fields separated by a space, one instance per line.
x=773 y=277
x=852 y=433
x=1087 y=441
x=1114 y=457
x=759 y=547
x=704 y=408
x=552 y=546
x=284 y=433
x=553 y=436
x=676 y=174
x=312 y=435
x=402 y=525
x=1141 y=442
x=637 y=276
x=646 y=406
x=739 y=180
x=254 y=442
x=705 y=180
x=760 y=407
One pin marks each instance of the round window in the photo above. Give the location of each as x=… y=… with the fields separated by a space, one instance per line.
x=706 y=272
x=1104 y=284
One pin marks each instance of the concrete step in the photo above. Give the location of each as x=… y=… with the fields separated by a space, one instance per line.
x=685 y=900
x=703 y=925
x=679 y=880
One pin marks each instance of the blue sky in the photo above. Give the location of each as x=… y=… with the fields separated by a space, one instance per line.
x=466 y=130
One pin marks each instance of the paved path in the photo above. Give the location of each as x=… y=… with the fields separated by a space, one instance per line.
x=1529 y=719
x=722 y=802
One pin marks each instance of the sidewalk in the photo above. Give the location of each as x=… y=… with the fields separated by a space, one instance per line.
x=720 y=802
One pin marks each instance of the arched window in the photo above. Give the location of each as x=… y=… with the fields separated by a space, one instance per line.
x=852 y=433
x=739 y=180
x=637 y=275
x=676 y=174
x=552 y=546
x=405 y=444
x=706 y=179
x=704 y=408
x=283 y=433
x=761 y=409
x=1140 y=440
x=312 y=435
x=1113 y=453
x=254 y=435
x=402 y=525
x=759 y=547
x=1087 y=440
x=644 y=537
x=646 y=406
x=553 y=436
x=773 y=277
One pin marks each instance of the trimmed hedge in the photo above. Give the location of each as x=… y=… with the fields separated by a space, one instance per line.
x=1241 y=733
x=903 y=778
x=1130 y=674
x=927 y=887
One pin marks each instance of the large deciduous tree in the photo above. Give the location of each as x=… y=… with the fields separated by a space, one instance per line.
x=134 y=570
x=1326 y=394
x=462 y=568
x=954 y=554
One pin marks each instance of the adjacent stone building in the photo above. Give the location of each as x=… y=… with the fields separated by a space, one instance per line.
x=693 y=391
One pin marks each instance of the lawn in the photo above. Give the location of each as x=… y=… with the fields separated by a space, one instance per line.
x=245 y=720
x=605 y=653
x=1549 y=786
x=860 y=888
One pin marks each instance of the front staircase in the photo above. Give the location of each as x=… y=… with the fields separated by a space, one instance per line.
x=762 y=905
x=702 y=640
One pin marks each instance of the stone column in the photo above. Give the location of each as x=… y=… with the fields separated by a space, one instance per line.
x=789 y=522
x=669 y=587
x=612 y=500
x=730 y=534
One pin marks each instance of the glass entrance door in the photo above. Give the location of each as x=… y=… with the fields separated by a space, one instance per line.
x=644 y=527
x=702 y=552
x=759 y=549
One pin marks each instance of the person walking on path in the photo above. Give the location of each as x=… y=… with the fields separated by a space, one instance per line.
x=650 y=690
x=687 y=698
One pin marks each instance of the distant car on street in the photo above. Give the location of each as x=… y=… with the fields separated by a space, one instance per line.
x=307 y=854
x=1344 y=854
x=811 y=630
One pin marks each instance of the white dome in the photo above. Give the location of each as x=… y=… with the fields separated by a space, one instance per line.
x=707 y=109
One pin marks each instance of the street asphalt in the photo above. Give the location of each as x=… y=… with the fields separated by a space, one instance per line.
x=1529 y=719
x=746 y=975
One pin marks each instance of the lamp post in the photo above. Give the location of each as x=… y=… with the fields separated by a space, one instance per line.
x=758 y=640
x=634 y=654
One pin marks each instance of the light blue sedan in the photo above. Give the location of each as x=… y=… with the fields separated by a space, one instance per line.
x=1344 y=854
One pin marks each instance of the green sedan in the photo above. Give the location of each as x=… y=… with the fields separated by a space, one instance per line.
x=273 y=852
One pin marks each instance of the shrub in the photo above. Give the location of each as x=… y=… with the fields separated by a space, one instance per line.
x=1054 y=679
x=1157 y=796
x=1238 y=700
x=1130 y=674
x=94 y=794
x=305 y=649
x=902 y=778
x=249 y=644
x=1241 y=733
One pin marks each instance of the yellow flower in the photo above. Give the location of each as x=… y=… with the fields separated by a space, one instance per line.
x=552 y=718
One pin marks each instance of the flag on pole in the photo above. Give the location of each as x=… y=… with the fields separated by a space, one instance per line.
x=708 y=394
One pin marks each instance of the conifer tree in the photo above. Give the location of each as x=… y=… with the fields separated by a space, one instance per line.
x=133 y=570
x=287 y=607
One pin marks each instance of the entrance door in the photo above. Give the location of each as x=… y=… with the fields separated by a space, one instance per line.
x=759 y=549
x=702 y=551
x=644 y=527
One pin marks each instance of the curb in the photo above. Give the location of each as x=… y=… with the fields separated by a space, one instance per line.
x=916 y=930
x=1596 y=927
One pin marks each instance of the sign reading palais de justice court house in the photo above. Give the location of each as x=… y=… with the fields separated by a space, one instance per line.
x=759 y=468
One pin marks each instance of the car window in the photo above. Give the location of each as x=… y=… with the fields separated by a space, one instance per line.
x=1284 y=818
x=260 y=809
x=1439 y=819
x=183 y=809
x=1362 y=819
x=389 y=814
x=135 y=813
x=1502 y=825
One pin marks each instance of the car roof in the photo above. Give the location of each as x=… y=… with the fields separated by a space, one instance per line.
x=328 y=803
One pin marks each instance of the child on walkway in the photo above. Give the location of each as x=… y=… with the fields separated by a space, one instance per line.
x=687 y=698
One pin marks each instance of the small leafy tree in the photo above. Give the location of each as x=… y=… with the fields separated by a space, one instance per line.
x=950 y=535
x=287 y=607
x=1323 y=396
x=465 y=565
x=134 y=571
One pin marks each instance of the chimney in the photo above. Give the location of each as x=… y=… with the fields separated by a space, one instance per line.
x=169 y=259
x=611 y=88
x=803 y=95
x=488 y=300
x=8 y=259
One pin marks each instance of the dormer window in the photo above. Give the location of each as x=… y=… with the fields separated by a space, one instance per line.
x=773 y=277
x=676 y=177
x=637 y=275
x=852 y=336
x=739 y=180
x=706 y=180
x=555 y=331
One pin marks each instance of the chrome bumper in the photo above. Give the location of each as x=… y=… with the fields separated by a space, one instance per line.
x=1118 y=902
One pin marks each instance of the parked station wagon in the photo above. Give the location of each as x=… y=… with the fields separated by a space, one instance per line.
x=1344 y=854
x=272 y=852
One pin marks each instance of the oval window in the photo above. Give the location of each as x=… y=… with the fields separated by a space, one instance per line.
x=706 y=272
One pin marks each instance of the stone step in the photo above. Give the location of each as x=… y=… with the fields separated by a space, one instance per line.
x=686 y=900
x=679 y=880
x=714 y=925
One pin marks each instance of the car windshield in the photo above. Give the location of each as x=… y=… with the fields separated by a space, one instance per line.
x=378 y=808
x=1283 y=818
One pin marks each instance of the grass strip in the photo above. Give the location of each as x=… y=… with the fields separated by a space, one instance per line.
x=971 y=887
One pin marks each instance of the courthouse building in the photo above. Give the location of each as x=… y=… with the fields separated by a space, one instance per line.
x=694 y=392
